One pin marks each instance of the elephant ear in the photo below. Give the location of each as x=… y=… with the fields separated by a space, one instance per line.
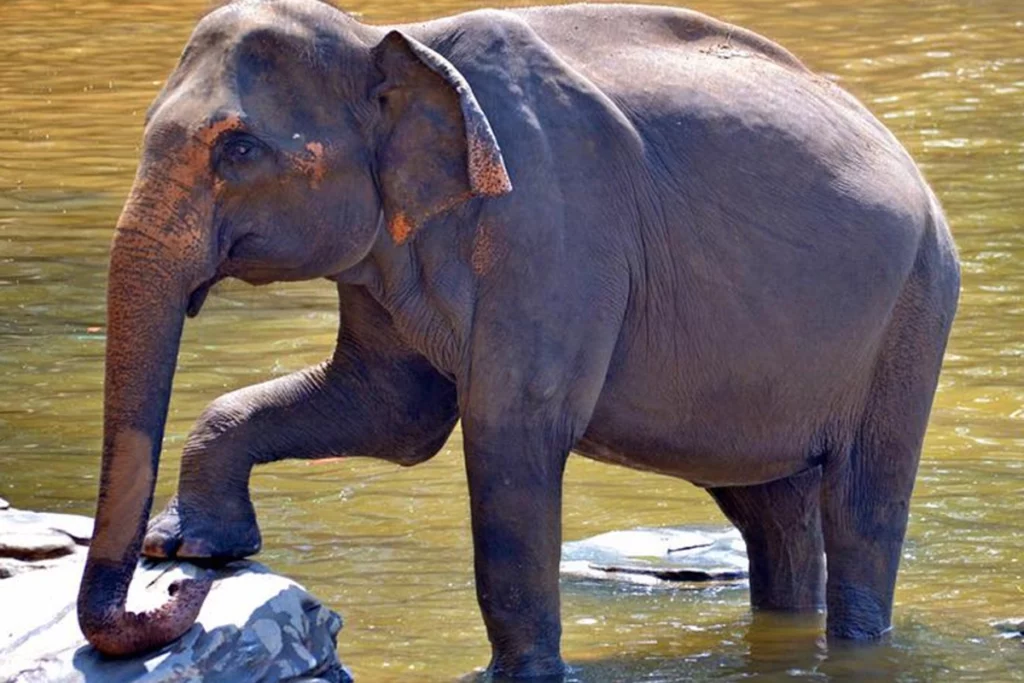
x=437 y=148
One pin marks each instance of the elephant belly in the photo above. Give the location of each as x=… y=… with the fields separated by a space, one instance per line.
x=685 y=458
x=717 y=410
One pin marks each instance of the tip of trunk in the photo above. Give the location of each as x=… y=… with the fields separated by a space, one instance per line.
x=116 y=632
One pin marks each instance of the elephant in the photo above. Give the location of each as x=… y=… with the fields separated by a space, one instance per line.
x=635 y=233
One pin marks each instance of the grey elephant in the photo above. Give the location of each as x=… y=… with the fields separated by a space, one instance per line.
x=634 y=233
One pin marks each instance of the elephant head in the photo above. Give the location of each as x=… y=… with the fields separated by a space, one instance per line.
x=286 y=138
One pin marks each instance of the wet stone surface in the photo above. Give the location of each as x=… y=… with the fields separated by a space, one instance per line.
x=32 y=540
x=77 y=527
x=254 y=625
x=1010 y=628
x=666 y=557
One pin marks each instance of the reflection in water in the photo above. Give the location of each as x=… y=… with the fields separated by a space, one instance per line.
x=772 y=647
x=779 y=642
x=389 y=547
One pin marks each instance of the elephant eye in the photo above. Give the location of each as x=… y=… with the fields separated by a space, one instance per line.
x=241 y=149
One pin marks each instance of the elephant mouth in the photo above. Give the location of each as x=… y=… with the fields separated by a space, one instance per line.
x=198 y=296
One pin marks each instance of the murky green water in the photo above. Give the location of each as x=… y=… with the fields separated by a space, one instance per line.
x=390 y=548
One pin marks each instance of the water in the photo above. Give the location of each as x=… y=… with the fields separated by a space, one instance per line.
x=390 y=548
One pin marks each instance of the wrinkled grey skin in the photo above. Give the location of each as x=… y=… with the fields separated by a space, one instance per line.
x=703 y=260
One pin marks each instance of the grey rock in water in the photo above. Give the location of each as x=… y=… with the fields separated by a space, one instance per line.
x=10 y=566
x=666 y=557
x=254 y=625
x=1010 y=628
x=31 y=541
x=43 y=544
x=77 y=527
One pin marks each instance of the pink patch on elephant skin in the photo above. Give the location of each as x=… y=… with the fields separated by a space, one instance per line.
x=310 y=163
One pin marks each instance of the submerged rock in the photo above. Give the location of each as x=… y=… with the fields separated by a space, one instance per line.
x=670 y=557
x=254 y=626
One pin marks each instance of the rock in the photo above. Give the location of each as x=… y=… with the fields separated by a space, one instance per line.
x=78 y=527
x=1009 y=628
x=30 y=541
x=31 y=536
x=4 y=504
x=254 y=625
x=10 y=566
x=43 y=544
x=658 y=557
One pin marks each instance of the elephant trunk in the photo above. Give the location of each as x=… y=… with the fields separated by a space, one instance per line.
x=148 y=289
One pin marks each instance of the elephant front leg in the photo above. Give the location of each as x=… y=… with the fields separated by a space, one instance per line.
x=212 y=515
x=515 y=487
x=393 y=410
x=375 y=397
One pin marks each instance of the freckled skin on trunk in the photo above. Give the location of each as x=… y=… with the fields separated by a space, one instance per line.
x=141 y=351
x=146 y=300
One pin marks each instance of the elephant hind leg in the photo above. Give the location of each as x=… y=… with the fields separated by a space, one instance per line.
x=865 y=506
x=781 y=526
x=866 y=489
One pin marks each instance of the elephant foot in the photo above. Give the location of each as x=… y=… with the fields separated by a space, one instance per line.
x=548 y=670
x=186 y=532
